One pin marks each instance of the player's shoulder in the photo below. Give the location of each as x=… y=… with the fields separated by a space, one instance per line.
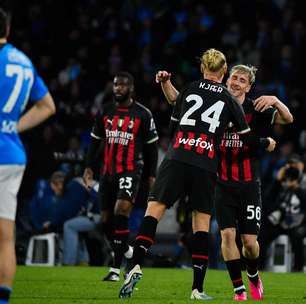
x=142 y=109
x=16 y=56
x=226 y=93
x=192 y=85
x=248 y=104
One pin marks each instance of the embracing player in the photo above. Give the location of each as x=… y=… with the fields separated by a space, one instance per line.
x=202 y=112
x=238 y=192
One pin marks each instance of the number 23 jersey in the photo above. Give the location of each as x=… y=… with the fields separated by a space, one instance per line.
x=202 y=111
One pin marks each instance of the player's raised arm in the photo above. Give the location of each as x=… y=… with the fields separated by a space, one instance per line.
x=282 y=116
x=244 y=131
x=170 y=92
x=38 y=113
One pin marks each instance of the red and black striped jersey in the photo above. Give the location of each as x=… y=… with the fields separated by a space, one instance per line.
x=202 y=112
x=238 y=162
x=125 y=131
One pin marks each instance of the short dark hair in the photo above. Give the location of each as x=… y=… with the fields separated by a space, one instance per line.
x=126 y=75
x=4 y=22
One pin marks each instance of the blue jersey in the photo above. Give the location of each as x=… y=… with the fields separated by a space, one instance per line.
x=19 y=82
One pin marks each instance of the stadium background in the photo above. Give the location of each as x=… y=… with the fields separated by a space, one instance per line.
x=77 y=48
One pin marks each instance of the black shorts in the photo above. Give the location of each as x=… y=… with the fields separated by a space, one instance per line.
x=119 y=186
x=239 y=207
x=175 y=179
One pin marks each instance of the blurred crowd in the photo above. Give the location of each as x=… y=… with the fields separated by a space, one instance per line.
x=78 y=48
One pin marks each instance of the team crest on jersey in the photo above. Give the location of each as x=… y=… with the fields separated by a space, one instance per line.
x=120 y=123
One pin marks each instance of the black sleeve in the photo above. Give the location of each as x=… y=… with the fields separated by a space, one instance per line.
x=150 y=155
x=268 y=116
x=178 y=106
x=254 y=141
x=176 y=113
x=98 y=130
x=173 y=127
x=91 y=153
x=97 y=134
x=149 y=129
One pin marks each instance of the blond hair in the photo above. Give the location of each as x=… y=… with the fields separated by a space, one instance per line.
x=214 y=61
x=245 y=69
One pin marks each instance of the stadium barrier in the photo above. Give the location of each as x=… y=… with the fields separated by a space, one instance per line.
x=43 y=250
x=280 y=258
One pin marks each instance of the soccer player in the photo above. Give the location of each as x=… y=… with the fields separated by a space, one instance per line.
x=201 y=113
x=128 y=132
x=238 y=194
x=19 y=82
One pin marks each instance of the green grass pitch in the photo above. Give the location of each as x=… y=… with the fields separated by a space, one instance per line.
x=80 y=285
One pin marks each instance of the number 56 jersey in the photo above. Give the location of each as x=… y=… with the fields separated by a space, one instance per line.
x=202 y=111
x=19 y=82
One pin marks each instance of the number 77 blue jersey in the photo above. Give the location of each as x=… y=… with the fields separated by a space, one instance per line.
x=19 y=82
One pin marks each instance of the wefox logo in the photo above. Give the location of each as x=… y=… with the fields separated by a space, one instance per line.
x=199 y=142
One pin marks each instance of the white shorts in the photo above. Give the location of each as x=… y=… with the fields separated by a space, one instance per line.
x=10 y=180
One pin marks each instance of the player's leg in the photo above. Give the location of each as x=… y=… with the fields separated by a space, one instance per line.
x=165 y=192
x=231 y=256
x=10 y=179
x=7 y=258
x=199 y=247
x=226 y=213
x=120 y=237
x=249 y=224
x=202 y=184
x=144 y=240
x=127 y=185
x=107 y=196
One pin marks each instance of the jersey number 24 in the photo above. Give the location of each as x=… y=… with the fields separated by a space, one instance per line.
x=214 y=111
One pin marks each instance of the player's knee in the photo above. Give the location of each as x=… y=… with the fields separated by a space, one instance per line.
x=155 y=209
x=249 y=244
x=200 y=221
x=228 y=236
x=123 y=208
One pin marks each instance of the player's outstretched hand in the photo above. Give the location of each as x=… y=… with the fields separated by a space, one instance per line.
x=262 y=103
x=88 y=177
x=162 y=76
x=272 y=144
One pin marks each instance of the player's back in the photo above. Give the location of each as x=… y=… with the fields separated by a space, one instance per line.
x=203 y=110
x=17 y=78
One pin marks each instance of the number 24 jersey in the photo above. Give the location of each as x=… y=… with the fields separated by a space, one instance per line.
x=202 y=112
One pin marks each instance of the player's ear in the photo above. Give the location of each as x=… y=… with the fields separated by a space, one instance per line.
x=202 y=68
x=132 y=89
